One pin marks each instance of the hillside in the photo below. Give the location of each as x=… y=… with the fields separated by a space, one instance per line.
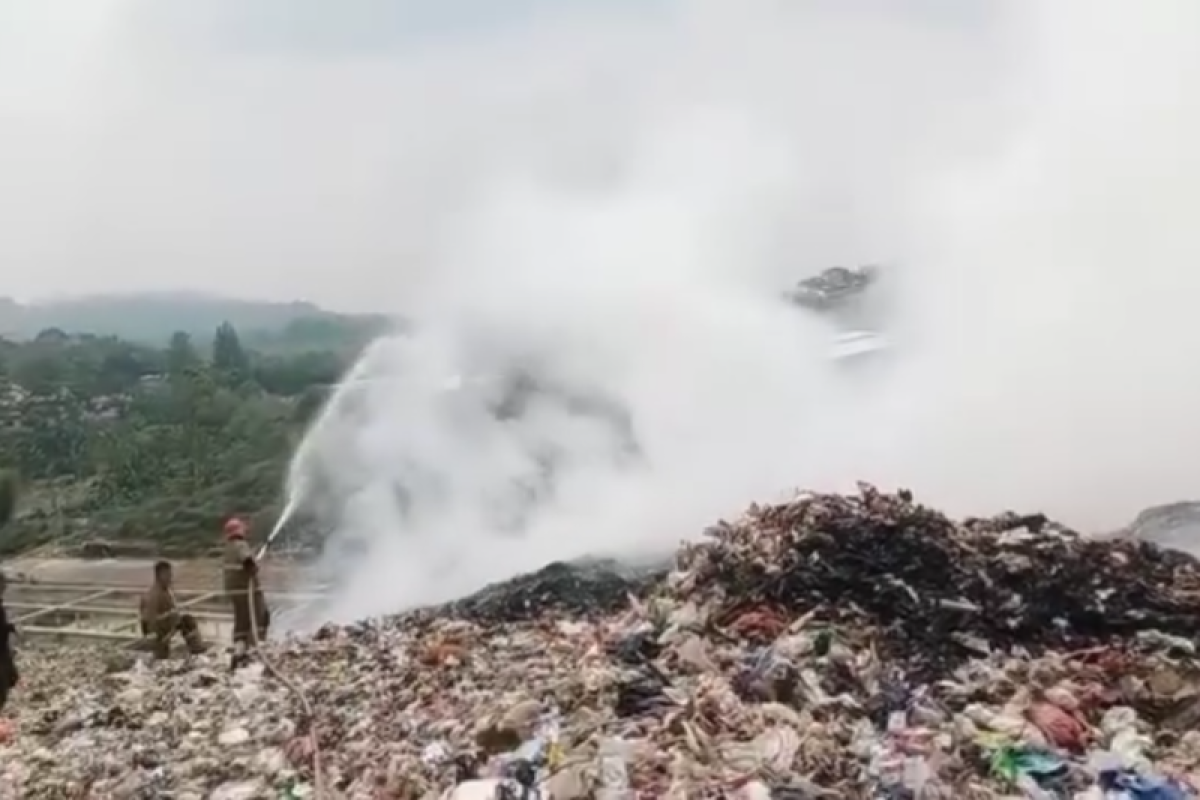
x=121 y=441
x=151 y=318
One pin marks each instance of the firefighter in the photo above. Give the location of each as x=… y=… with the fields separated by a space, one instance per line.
x=161 y=619
x=251 y=618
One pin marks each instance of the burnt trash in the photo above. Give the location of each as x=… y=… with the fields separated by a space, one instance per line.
x=522 y=772
x=637 y=648
x=641 y=694
x=466 y=767
x=561 y=588
x=894 y=696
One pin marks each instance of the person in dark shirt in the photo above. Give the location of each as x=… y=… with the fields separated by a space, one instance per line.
x=8 y=664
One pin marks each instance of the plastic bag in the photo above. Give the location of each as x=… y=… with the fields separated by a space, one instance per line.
x=613 y=779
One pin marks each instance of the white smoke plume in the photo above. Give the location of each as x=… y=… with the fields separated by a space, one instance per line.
x=1028 y=190
x=616 y=198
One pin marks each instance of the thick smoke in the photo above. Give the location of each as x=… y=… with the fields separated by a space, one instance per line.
x=612 y=202
x=1027 y=187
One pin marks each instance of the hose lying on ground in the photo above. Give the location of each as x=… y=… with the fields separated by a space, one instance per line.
x=294 y=688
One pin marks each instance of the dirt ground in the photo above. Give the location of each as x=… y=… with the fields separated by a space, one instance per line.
x=189 y=574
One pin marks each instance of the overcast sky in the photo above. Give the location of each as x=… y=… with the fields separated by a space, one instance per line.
x=329 y=150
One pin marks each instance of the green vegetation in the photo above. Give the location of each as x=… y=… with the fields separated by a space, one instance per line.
x=123 y=442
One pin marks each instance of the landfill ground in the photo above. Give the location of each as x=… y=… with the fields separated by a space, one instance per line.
x=833 y=647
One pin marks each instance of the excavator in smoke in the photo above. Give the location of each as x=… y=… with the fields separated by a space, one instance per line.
x=851 y=301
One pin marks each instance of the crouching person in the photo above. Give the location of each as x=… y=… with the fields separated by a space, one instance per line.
x=161 y=619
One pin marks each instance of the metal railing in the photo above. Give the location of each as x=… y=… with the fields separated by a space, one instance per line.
x=84 y=603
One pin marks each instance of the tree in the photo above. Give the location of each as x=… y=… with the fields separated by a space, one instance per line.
x=51 y=437
x=51 y=336
x=181 y=354
x=228 y=357
x=116 y=439
x=41 y=372
x=290 y=377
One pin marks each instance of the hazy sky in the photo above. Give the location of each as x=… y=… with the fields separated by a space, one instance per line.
x=284 y=148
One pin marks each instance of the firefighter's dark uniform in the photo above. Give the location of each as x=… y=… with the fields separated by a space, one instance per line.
x=241 y=585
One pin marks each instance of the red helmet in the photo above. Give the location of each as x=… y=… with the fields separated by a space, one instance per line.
x=235 y=528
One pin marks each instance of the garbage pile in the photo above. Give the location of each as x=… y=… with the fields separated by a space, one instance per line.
x=935 y=591
x=830 y=647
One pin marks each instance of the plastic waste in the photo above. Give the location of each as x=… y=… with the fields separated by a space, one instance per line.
x=763 y=661
x=549 y=732
x=899 y=754
x=613 y=780
x=916 y=774
x=693 y=653
x=521 y=770
x=1038 y=773
x=1126 y=743
x=1009 y=725
x=435 y=753
x=768 y=675
x=754 y=790
x=483 y=789
x=1063 y=696
x=891 y=703
x=1033 y=790
x=1059 y=727
x=295 y=792
x=530 y=750
x=1129 y=785
x=895 y=772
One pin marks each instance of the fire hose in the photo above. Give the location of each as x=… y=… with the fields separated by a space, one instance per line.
x=270 y=666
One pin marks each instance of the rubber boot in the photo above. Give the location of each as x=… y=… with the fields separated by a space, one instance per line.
x=161 y=648
x=240 y=657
